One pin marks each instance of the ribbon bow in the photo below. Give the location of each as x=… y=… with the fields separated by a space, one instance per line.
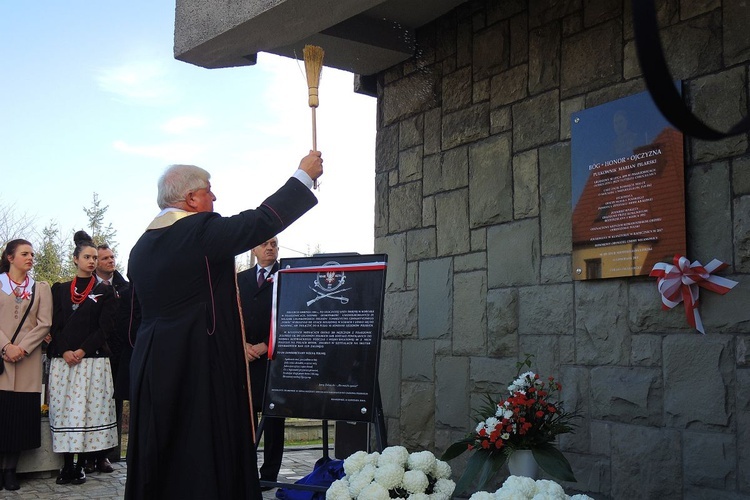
x=679 y=283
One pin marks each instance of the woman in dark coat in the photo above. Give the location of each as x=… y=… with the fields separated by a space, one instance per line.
x=81 y=409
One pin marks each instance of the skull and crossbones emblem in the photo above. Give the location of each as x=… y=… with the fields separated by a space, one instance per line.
x=328 y=285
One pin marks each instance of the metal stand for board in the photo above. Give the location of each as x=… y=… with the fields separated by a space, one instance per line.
x=381 y=442
x=345 y=410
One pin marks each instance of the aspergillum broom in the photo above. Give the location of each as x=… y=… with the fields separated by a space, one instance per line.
x=313 y=56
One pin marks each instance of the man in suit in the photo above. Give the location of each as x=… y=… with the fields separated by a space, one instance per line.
x=256 y=295
x=119 y=344
x=190 y=416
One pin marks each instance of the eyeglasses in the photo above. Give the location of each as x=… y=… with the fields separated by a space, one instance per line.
x=207 y=189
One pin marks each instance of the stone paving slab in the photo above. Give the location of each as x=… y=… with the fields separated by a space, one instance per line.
x=297 y=462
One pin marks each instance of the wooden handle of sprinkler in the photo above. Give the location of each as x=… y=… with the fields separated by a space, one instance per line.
x=315 y=141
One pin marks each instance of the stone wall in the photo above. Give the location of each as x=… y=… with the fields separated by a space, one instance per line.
x=474 y=210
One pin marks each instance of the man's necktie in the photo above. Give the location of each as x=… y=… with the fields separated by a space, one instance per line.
x=261 y=276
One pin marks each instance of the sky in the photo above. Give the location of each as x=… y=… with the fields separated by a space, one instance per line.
x=93 y=101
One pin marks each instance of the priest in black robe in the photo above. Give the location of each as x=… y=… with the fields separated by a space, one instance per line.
x=190 y=423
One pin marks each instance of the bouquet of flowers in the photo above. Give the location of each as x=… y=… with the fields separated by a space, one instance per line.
x=525 y=488
x=527 y=419
x=394 y=473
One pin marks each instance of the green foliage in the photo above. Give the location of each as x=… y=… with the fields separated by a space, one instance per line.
x=484 y=464
x=53 y=247
x=100 y=233
x=553 y=462
x=52 y=263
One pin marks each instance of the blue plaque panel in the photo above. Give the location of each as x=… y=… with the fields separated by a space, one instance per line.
x=628 y=188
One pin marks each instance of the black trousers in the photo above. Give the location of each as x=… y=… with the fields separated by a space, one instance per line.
x=273 y=447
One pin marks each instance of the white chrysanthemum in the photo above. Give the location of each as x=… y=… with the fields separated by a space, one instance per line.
x=480 y=426
x=374 y=491
x=339 y=490
x=389 y=475
x=491 y=423
x=550 y=489
x=419 y=496
x=581 y=497
x=415 y=481
x=443 y=488
x=394 y=455
x=523 y=382
x=373 y=458
x=361 y=479
x=525 y=486
x=442 y=470
x=354 y=462
x=510 y=494
x=508 y=414
x=422 y=460
x=547 y=496
x=482 y=495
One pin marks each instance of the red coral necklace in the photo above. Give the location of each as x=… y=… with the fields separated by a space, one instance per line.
x=75 y=297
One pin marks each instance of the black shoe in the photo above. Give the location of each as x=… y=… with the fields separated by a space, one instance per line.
x=79 y=476
x=103 y=465
x=89 y=466
x=268 y=480
x=10 y=480
x=65 y=475
x=114 y=455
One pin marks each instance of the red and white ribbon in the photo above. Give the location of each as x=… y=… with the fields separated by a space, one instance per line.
x=680 y=283
x=272 y=334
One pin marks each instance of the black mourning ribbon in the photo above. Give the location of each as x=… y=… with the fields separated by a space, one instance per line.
x=659 y=80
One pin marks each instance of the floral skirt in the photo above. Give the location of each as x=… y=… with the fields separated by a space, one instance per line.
x=81 y=406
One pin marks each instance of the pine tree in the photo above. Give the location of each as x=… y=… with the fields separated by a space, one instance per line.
x=100 y=233
x=53 y=261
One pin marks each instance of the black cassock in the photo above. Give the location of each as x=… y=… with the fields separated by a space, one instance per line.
x=190 y=433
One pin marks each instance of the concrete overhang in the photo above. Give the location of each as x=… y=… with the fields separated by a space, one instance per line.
x=361 y=36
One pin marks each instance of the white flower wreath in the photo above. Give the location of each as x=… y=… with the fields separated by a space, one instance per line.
x=394 y=473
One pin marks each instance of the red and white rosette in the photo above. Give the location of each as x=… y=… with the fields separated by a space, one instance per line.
x=680 y=283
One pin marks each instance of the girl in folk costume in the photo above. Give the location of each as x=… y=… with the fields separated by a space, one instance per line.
x=25 y=319
x=82 y=408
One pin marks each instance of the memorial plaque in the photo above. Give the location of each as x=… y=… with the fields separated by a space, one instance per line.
x=326 y=344
x=628 y=188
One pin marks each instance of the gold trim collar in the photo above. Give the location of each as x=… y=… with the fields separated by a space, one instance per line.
x=167 y=219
